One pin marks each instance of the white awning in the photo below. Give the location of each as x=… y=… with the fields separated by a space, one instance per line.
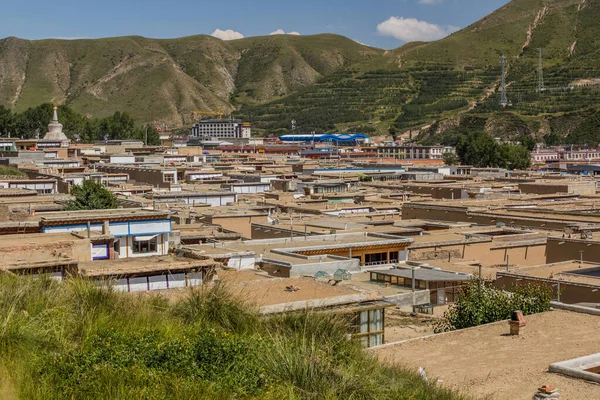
x=144 y=238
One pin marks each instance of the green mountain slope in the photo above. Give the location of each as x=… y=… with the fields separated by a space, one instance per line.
x=452 y=84
x=166 y=79
x=328 y=83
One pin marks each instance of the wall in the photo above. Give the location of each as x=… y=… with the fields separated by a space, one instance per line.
x=329 y=267
x=564 y=249
x=152 y=177
x=488 y=253
x=461 y=214
x=570 y=293
x=567 y=187
x=240 y=224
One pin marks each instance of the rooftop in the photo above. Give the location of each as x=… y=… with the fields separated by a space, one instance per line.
x=486 y=362
x=141 y=265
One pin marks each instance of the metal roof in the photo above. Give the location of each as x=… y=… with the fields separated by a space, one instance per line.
x=326 y=137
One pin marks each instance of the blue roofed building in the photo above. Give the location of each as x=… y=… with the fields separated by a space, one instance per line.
x=348 y=139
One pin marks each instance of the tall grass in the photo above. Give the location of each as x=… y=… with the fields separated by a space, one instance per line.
x=73 y=340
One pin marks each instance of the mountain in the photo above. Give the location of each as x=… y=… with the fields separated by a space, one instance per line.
x=441 y=89
x=434 y=91
x=164 y=79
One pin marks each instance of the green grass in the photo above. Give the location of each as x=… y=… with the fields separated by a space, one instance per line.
x=77 y=341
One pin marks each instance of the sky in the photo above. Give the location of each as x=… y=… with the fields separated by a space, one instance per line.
x=378 y=23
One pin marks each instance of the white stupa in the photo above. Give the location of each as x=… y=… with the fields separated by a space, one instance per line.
x=55 y=130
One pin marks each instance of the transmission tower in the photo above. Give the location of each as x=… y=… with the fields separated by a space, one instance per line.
x=540 y=73
x=503 y=98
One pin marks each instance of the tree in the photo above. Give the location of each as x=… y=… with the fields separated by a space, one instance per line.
x=393 y=132
x=528 y=142
x=91 y=195
x=479 y=302
x=153 y=136
x=514 y=157
x=450 y=158
x=480 y=150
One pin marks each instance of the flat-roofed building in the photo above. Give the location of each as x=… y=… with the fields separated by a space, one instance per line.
x=136 y=232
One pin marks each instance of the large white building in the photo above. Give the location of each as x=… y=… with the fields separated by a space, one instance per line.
x=221 y=129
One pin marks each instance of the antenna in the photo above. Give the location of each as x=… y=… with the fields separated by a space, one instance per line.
x=503 y=98
x=540 y=73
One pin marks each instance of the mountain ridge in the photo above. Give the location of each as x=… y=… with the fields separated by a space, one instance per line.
x=328 y=82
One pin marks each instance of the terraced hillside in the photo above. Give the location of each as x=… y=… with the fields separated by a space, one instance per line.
x=445 y=82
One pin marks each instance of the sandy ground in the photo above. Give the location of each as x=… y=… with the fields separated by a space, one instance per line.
x=489 y=364
x=265 y=291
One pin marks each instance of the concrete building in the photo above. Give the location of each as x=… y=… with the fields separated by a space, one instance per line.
x=414 y=151
x=221 y=129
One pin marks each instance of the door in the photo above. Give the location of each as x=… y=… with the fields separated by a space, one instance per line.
x=441 y=296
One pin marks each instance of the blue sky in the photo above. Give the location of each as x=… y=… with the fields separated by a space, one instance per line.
x=380 y=23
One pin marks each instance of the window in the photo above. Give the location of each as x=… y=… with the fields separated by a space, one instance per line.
x=145 y=246
x=168 y=178
x=370 y=327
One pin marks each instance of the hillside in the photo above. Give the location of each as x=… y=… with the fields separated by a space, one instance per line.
x=451 y=85
x=164 y=79
x=329 y=83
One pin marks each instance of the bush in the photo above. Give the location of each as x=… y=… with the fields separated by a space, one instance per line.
x=76 y=340
x=481 y=303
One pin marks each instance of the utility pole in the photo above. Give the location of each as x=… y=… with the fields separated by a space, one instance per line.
x=146 y=137
x=540 y=73
x=503 y=98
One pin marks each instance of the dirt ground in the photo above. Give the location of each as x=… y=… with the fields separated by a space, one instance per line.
x=265 y=291
x=487 y=363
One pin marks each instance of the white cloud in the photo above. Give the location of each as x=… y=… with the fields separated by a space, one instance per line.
x=430 y=1
x=412 y=29
x=227 y=34
x=282 y=32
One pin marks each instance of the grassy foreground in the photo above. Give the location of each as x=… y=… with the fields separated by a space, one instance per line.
x=75 y=341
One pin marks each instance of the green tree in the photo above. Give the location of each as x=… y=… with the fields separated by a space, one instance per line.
x=479 y=150
x=481 y=303
x=528 y=142
x=393 y=132
x=514 y=157
x=91 y=195
x=151 y=135
x=7 y=121
x=450 y=158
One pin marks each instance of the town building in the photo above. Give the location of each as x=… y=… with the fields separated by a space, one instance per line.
x=221 y=129
x=413 y=151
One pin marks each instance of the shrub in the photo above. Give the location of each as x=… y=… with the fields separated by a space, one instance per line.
x=481 y=303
